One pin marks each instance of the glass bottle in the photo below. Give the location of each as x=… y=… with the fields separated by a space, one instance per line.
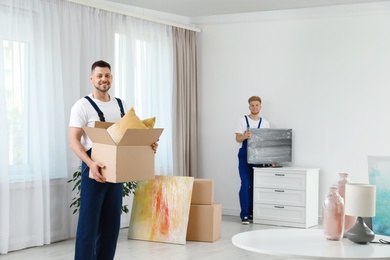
x=333 y=215
x=349 y=221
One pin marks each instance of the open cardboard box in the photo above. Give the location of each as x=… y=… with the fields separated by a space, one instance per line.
x=132 y=159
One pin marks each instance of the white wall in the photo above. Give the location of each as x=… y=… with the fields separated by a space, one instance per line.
x=324 y=72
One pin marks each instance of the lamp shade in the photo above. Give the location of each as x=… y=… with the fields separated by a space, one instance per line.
x=360 y=199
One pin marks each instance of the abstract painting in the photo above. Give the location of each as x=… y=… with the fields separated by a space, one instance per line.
x=270 y=146
x=161 y=209
x=379 y=175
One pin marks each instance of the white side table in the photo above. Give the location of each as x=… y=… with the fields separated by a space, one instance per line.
x=286 y=196
x=308 y=244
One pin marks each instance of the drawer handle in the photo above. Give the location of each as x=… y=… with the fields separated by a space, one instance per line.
x=279 y=174
x=279 y=207
x=279 y=190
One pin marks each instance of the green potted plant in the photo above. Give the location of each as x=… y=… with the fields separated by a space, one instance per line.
x=128 y=188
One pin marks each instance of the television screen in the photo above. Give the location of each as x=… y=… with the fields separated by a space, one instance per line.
x=268 y=145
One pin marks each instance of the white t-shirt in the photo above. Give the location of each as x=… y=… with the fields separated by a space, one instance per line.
x=84 y=114
x=241 y=126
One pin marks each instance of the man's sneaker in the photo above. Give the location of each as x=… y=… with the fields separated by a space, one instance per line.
x=245 y=221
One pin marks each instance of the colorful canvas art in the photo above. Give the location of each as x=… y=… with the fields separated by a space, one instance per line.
x=379 y=175
x=161 y=209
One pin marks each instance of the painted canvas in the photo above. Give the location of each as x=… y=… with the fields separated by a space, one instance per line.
x=379 y=175
x=161 y=209
x=269 y=145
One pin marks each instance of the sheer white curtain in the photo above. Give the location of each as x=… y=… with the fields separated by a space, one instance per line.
x=46 y=50
x=140 y=54
x=144 y=77
x=33 y=151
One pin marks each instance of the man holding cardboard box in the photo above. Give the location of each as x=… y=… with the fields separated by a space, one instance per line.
x=101 y=201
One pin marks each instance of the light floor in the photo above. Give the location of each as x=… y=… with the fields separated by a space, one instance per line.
x=136 y=249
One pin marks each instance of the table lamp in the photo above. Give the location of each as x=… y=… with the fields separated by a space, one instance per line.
x=360 y=202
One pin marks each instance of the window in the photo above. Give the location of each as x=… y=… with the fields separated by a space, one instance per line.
x=133 y=79
x=15 y=60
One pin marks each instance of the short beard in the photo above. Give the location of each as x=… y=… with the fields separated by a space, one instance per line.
x=102 y=90
x=256 y=113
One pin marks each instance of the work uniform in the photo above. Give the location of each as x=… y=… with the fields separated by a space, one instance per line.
x=100 y=203
x=245 y=169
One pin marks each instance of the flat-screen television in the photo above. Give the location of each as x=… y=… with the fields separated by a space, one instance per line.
x=270 y=146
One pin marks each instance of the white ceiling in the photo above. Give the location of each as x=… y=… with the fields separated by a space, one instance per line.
x=199 y=8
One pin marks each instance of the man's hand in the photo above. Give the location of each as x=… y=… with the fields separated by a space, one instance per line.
x=95 y=170
x=247 y=134
x=154 y=147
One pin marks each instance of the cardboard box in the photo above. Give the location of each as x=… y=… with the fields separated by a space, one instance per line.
x=204 y=223
x=132 y=159
x=203 y=192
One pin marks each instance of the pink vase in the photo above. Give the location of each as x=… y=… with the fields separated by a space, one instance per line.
x=349 y=221
x=333 y=215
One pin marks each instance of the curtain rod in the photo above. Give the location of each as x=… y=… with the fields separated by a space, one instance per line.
x=120 y=11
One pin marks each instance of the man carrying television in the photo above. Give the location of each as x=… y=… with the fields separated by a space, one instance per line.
x=253 y=120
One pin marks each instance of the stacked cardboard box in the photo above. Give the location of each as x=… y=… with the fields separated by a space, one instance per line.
x=205 y=218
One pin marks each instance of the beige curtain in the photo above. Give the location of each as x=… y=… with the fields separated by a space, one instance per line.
x=185 y=104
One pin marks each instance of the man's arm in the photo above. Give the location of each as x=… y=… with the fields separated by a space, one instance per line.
x=242 y=137
x=75 y=134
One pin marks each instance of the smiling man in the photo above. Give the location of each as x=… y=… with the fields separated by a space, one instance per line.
x=101 y=202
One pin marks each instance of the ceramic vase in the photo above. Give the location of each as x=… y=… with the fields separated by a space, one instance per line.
x=333 y=215
x=349 y=221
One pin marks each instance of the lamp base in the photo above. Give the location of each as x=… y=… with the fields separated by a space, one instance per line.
x=360 y=233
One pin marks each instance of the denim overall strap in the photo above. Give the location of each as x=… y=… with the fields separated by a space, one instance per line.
x=247 y=122
x=244 y=144
x=260 y=122
x=100 y=113
x=120 y=106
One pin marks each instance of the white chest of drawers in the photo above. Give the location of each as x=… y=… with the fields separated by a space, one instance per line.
x=286 y=196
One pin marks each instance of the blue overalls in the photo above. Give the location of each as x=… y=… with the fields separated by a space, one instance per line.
x=246 y=174
x=100 y=212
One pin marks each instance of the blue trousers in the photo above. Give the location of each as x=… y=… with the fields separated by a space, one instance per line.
x=99 y=219
x=246 y=190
